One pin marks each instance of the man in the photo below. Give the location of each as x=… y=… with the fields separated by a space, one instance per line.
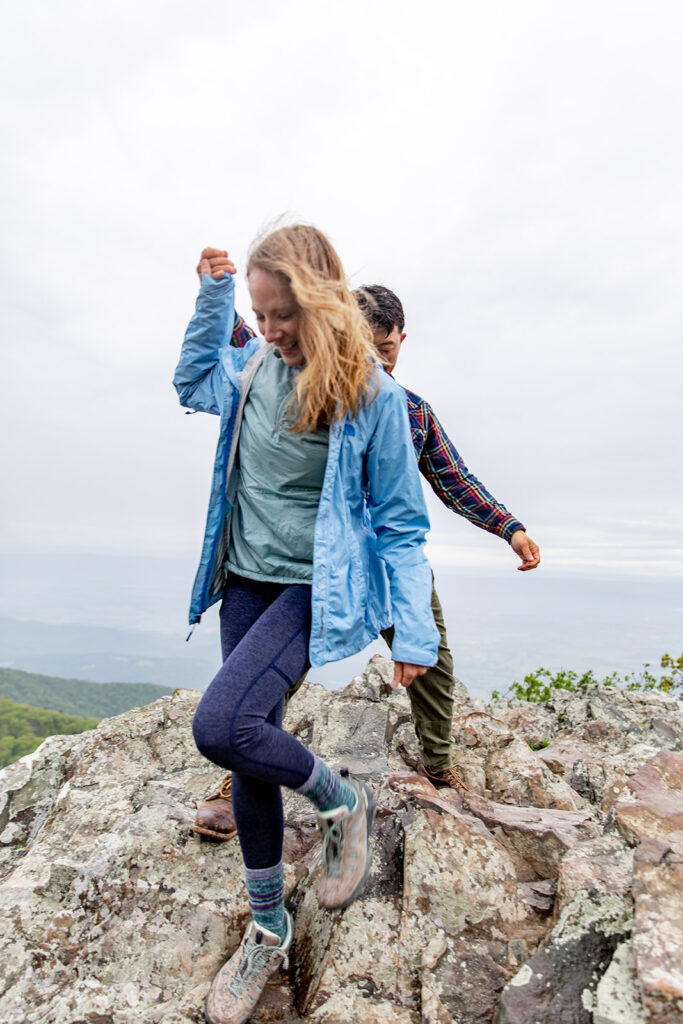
x=431 y=695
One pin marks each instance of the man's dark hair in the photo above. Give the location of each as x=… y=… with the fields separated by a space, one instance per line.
x=380 y=307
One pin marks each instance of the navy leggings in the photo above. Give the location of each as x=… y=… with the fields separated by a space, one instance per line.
x=265 y=628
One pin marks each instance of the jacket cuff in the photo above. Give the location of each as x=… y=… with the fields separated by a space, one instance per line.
x=209 y=286
x=510 y=526
x=413 y=655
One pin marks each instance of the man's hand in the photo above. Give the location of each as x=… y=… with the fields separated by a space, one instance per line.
x=216 y=263
x=526 y=549
x=405 y=673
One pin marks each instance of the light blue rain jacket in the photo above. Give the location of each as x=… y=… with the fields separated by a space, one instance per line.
x=369 y=563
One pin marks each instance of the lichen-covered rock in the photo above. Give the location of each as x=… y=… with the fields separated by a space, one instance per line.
x=533 y=723
x=617 y=997
x=515 y=774
x=511 y=901
x=27 y=793
x=651 y=801
x=593 y=915
x=601 y=865
x=557 y=984
x=356 y=727
x=539 y=836
x=605 y=714
x=500 y=764
x=601 y=775
x=658 y=926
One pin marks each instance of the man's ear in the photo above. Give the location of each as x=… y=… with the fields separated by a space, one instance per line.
x=403 y=337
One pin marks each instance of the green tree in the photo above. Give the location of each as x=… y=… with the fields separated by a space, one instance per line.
x=23 y=728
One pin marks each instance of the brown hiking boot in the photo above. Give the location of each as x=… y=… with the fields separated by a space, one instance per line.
x=346 y=854
x=239 y=984
x=215 y=818
x=445 y=778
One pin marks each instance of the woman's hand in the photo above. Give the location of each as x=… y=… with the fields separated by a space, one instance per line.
x=405 y=673
x=526 y=549
x=216 y=263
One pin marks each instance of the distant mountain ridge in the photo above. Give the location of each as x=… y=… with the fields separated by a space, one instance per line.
x=76 y=697
x=103 y=654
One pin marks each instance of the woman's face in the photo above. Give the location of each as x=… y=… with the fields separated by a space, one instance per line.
x=277 y=314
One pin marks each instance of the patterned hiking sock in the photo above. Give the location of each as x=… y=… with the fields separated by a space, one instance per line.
x=266 y=889
x=326 y=789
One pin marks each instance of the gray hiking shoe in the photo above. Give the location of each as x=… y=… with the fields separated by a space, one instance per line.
x=346 y=849
x=238 y=986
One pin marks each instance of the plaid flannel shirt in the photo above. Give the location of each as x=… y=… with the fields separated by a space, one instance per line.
x=241 y=332
x=448 y=475
x=439 y=462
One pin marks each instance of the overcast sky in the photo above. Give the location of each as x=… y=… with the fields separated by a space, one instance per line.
x=513 y=171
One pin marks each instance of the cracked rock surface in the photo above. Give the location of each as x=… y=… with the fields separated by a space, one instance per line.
x=551 y=892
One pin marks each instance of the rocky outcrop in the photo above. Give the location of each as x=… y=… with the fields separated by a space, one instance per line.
x=551 y=892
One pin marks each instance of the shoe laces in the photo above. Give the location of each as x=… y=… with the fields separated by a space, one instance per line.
x=253 y=959
x=452 y=775
x=333 y=844
x=225 y=788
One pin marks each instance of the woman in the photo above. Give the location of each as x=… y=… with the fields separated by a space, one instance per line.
x=314 y=543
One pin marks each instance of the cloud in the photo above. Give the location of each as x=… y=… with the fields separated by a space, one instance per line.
x=512 y=171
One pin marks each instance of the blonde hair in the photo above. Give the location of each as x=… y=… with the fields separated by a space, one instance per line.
x=333 y=334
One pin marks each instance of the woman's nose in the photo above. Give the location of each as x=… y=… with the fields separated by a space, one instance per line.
x=272 y=332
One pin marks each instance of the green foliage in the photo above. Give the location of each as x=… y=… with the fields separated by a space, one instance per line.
x=75 y=697
x=538 y=686
x=670 y=681
x=23 y=728
x=34 y=706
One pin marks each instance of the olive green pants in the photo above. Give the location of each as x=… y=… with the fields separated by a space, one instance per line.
x=431 y=698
